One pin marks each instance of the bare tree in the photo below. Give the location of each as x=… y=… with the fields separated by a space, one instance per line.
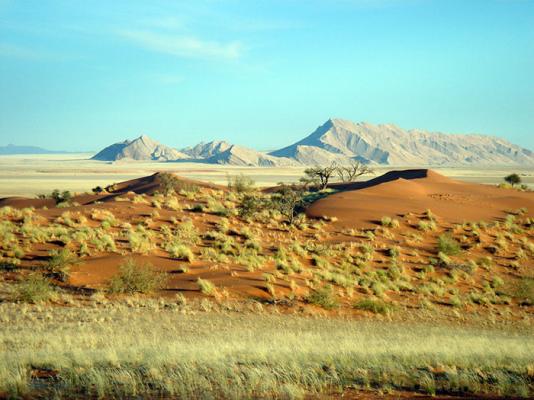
x=319 y=176
x=349 y=173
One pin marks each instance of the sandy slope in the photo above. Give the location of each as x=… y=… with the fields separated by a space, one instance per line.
x=414 y=191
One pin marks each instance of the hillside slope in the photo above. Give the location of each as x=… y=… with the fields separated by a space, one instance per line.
x=340 y=140
x=142 y=148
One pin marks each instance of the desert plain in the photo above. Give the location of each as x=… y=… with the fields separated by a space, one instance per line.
x=182 y=280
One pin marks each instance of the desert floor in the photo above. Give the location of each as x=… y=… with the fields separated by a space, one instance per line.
x=28 y=175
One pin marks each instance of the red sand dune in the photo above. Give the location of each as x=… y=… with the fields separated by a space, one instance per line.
x=399 y=192
x=145 y=185
x=150 y=184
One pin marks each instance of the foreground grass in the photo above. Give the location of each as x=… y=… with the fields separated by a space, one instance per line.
x=125 y=350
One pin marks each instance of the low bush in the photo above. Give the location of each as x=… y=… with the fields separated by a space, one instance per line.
x=61 y=197
x=135 y=278
x=324 y=297
x=240 y=183
x=524 y=291
x=180 y=252
x=374 y=306
x=448 y=245
x=249 y=206
x=206 y=287
x=426 y=226
x=60 y=262
x=389 y=222
x=34 y=289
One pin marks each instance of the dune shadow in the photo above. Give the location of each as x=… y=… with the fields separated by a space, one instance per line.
x=387 y=177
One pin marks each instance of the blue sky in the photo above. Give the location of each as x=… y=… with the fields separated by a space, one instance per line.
x=79 y=75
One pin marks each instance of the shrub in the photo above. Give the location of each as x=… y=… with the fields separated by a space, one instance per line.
x=217 y=208
x=394 y=251
x=60 y=262
x=170 y=183
x=448 y=245
x=206 y=287
x=187 y=233
x=240 y=183
x=288 y=200
x=197 y=208
x=525 y=291
x=34 y=289
x=140 y=240
x=61 y=197
x=513 y=179
x=135 y=278
x=427 y=226
x=323 y=297
x=496 y=282
x=249 y=206
x=374 y=306
x=180 y=252
x=389 y=222
x=319 y=176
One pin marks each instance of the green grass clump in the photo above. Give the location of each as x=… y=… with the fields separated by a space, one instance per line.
x=324 y=297
x=448 y=245
x=389 y=222
x=141 y=240
x=374 y=306
x=240 y=183
x=394 y=251
x=427 y=226
x=135 y=278
x=180 y=252
x=60 y=262
x=34 y=289
x=206 y=287
x=524 y=291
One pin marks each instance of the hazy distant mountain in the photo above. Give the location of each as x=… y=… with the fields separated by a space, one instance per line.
x=206 y=150
x=12 y=149
x=221 y=152
x=142 y=148
x=340 y=140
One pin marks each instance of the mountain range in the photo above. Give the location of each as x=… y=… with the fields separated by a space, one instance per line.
x=12 y=149
x=339 y=141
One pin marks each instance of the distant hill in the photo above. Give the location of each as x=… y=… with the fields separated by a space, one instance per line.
x=220 y=152
x=142 y=148
x=340 y=140
x=12 y=149
x=206 y=150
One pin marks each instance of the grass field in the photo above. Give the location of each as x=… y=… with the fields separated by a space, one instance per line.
x=151 y=348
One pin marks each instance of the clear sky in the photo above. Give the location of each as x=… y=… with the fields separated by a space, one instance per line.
x=79 y=74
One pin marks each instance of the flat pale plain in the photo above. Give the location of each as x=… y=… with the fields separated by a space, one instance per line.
x=29 y=175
